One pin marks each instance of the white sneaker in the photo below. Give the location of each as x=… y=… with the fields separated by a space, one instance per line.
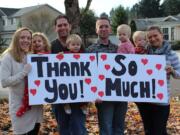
x=84 y=110
x=67 y=109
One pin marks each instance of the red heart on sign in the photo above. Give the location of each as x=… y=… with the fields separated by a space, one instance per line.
x=60 y=56
x=103 y=57
x=94 y=89
x=92 y=57
x=33 y=91
x=149 y=71
x=160 y=96
x=158 y=66
x=161 y=82
x=76 y=56
x=88 y=80
x=101 y=77
x=107 y=66
x=101 y=93
x=37 y=82
x=144 y=61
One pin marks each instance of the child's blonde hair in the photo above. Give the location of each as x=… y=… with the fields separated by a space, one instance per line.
x=124 y=27
x=45 y=41
x=141 y=34
x=73 y=38
x=14 y=48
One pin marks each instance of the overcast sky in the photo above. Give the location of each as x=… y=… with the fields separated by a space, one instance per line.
x=98 y=6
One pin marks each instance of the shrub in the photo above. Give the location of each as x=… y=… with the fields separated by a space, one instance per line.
x=176 y=45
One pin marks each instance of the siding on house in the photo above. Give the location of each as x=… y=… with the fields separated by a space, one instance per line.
x=11 y=19
x=170 y=26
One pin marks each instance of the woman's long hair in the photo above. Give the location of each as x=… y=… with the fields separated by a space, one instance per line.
x=14 y=48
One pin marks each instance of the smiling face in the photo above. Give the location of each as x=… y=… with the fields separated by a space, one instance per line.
x=62 y=27
x=103 y=28
x=155 y=38
x=25 y=40
x=74 y=46
x=38 y=44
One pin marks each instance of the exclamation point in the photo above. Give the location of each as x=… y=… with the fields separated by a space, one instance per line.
x=81 y=88
x=153 y=88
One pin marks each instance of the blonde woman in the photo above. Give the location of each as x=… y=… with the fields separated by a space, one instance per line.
x=14 y=70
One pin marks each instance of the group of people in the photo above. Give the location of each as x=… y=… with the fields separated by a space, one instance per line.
x=71 y=118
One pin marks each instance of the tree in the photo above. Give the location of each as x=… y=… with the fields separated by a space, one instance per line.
x=171 y=7
x=73 y=13
x=134 y=12
x=133 y=26
x=41 y=22
x=87 y=24
x=2 y=42
x=118 y=16
x=149 y=8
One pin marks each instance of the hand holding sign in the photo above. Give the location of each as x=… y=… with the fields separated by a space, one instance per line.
x=67 y=78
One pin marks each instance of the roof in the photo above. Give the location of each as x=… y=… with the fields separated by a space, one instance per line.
x=29 y=9
x=16 y=12
x=8 y=11
x=143 y=24
x=25 y=10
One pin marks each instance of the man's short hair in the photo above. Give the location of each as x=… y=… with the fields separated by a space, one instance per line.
x=103 y=18
x=59 y=17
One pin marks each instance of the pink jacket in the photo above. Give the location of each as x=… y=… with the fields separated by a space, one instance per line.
x=126 y=48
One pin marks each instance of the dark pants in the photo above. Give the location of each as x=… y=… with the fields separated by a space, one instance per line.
x=35 y=131
x=111 y=117
x=70 y=124
x=154 y=118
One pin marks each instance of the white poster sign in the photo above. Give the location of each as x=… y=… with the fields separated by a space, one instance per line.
x=70 y=78
x=62 y=78
x=138 y=78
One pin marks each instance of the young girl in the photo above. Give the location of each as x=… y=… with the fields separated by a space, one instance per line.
x=40 y=45
x=14 y=70
x=74 y=45
x=139 y=39
x=124 y=34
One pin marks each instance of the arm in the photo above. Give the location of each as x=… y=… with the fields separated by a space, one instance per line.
x=7 y=78
x=174 y=68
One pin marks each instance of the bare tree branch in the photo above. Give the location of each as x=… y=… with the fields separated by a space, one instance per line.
x=73 y=13
x=86 y=8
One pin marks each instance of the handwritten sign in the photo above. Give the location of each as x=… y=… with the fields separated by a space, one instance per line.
x=139 y=78
x=69 y=78
x=62 y=78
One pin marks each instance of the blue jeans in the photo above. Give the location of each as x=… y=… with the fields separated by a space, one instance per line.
x=70 y=124
x=154 y=118
x=111 y=116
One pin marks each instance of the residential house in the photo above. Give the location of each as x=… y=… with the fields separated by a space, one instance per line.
x=39 y=16
x=170 y=26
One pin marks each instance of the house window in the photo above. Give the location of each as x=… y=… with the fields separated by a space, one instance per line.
x=165 y=33
x=3 y=22
x=172 y=33
x=12 y=21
